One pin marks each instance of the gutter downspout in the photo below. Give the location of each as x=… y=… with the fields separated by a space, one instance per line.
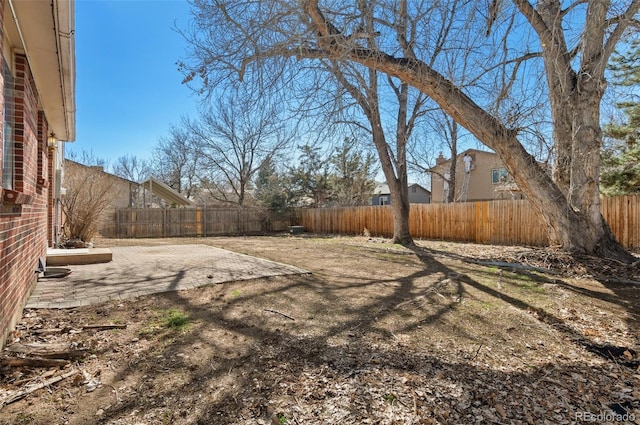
x=58 y=33
x=15 y=19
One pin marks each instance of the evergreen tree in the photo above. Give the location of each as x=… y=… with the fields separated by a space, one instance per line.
x=352 y=177
x=310 y=179
x=620 y=167
x=271 y=188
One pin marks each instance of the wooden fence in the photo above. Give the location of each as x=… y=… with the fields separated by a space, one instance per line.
x=184 y=222
x=491 y=222
x=623 y=215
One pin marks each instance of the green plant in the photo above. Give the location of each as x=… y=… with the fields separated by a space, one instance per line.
x=530 y=285
x=175 y=319
x=172 y=319
x=282 y=419
x=390 y=398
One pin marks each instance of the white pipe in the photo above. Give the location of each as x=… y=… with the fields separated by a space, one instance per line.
x=15 y=19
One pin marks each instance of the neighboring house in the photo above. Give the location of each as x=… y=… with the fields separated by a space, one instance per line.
x=151 y=193
x=417 y=194
x=37 y=83
x=155 y=193
x=381 y=195
x=480 y=176
x=124 y=193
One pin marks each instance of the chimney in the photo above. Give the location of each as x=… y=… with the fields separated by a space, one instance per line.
x=440 y=159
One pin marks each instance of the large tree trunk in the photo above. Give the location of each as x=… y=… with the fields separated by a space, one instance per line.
x=578 y=229
x=400 y=192
x=400 y=209
x=570 y=208
x=451 y=195
x=393 y=167
x=398 y=186
x=575 y=99
x=573 y=229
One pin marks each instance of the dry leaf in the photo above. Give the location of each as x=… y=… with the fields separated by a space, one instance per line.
x=500 y=410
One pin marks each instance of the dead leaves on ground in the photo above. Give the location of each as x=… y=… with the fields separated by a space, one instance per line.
x=552 y=362
x=56 y=349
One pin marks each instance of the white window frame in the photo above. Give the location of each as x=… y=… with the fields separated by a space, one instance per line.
x=8 y=141
x=499 y=175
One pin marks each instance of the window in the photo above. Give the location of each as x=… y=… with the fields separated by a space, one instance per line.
x=42 y=151
x=499 y=175
x=384 y=200
x=8 y=146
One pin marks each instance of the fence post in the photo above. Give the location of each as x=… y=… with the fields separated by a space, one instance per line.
x=198 y=222
x=164 y=222
x=204 y=221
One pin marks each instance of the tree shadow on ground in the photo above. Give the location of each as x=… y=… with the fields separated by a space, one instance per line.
x=371 y=359
x=620 y=292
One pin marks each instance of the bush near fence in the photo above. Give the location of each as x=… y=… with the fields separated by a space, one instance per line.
x=191 y=222
x=489 y=222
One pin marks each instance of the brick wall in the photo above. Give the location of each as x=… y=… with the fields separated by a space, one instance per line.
x=23 y=227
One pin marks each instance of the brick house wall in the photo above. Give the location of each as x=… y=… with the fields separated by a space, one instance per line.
x=24 y=208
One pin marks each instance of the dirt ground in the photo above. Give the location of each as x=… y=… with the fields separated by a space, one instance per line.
x=446 y=333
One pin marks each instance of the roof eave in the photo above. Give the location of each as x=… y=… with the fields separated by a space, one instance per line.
x=47 y=32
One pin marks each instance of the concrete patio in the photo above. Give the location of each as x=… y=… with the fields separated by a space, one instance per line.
x=137 y=271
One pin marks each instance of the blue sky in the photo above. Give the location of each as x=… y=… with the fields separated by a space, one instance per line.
x=128 y=88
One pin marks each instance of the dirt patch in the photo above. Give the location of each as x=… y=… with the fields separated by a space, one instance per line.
x=377 y=334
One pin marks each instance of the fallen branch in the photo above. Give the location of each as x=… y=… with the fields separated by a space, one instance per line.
x=51 y=331
x=476 y=354
x=56 y=351
x=23 y=394
x=104 y=327
x=66 y=354
x=433 y=289
x=281 y=314
x=412 y=300
x=36 y=346
x=32 y=362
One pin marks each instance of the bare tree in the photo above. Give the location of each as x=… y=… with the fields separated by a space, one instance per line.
x=452 y=141
x=374 y=97
x=234 y=138
x=90 y=191
x=132 y=168
x=175 y=160
x=423 y=158
x=86 y=157
x=390 y=140
x=571 y=45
